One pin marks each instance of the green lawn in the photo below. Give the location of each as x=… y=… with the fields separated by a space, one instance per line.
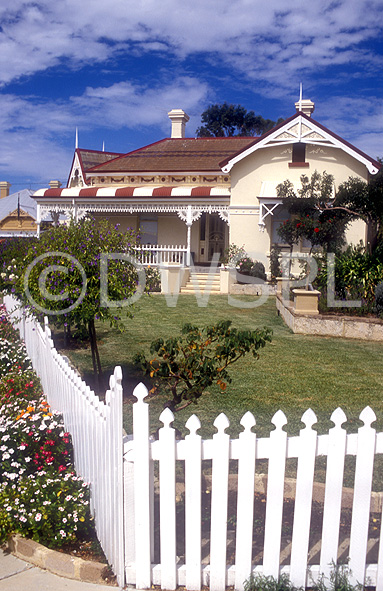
x=294 y=372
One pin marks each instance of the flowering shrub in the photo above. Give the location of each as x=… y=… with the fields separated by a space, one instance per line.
x=17 y=388
x=12 y=355
x=153 y=279
x=40 y=496
x=52 y=510
x=33 y=442
x=233 y=255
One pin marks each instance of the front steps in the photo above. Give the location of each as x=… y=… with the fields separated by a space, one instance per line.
x=202 y=282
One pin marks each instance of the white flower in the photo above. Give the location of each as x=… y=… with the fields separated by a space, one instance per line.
x=38 y=517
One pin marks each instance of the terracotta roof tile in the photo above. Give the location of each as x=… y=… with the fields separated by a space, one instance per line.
x=176 y=155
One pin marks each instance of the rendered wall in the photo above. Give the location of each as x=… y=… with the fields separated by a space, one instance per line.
x=272 y=165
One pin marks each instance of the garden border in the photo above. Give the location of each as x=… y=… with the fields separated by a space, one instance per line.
x=348 y=327
x=58 y=563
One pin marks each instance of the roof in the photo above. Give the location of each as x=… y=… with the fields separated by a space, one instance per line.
x=176 y=155
x=90 y=158
x=9 y=204
x=263 y=141
x=86 y=159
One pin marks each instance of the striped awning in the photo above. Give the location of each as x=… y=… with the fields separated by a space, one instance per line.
x=132 y=192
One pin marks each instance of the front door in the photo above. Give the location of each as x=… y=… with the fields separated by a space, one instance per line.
x=213 y=237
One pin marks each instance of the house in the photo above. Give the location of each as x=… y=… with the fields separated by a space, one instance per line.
x=202 y=194
x=18 y=212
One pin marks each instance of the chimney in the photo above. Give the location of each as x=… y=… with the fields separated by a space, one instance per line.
x=55 y=184
x=305 y=106
x=179 y=119
x=4 y=189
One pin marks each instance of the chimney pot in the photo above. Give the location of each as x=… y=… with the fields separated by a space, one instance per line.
x=4 y=189
x=179 y=118
x=55 y=184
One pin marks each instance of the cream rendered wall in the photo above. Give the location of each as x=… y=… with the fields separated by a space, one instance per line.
x=272 y=165
x=171 y=231
x=124 y=221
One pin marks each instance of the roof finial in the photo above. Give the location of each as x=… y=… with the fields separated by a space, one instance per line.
x=103 y=146
x=76 y=142
x=300 y=96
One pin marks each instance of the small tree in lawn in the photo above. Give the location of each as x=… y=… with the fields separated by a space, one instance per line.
x=186 y=365
x=62 y=274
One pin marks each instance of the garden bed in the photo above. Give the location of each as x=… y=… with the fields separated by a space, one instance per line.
x=332 y=325
x=40 y=496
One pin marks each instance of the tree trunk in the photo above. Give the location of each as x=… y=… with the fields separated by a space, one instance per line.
x=95 y=353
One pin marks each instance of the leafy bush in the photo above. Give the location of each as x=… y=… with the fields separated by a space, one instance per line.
x=188 y=364
x=258 y=270
x=379 y=299
x=356 y=275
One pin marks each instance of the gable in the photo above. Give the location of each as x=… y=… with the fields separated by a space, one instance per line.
x=302 y=129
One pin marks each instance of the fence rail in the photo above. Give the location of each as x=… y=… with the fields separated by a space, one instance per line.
x=162 y=255
x=173 y=512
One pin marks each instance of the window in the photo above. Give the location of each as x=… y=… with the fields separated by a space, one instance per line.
x=149 y=229
x=299 y=155
x=280 y=215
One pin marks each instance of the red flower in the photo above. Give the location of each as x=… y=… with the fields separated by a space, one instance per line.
x=316 y=229
x=62 y=468
x=298 y=225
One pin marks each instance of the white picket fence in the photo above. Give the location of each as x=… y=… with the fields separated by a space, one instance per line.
x=95 y=427
x=156 y=255
x=149 y=541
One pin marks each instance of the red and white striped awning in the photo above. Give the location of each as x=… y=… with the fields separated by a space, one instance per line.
x=132 y=192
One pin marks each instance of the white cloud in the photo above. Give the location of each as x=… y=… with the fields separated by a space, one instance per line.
x=33 y=131
x=242 y=32
x=127 y=105
x=266 y=46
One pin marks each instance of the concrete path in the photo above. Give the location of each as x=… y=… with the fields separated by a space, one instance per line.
x=17 y=575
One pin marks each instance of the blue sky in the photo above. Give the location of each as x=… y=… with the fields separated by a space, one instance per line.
x=115 y=68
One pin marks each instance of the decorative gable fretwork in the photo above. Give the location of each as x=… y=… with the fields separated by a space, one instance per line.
x=76 y=178
x=302 y=129
x=300 y=132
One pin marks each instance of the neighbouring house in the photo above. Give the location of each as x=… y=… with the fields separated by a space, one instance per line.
x=201 y=194
x=18 y=212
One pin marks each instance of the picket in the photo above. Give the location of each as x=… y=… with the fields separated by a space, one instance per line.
x=245 y=503
x=219 y=500
x=167 y=471
x=193 y=499
x=362 y=496
x=121 y=469
x=275 y=487
x=333 y=492
x=303 y=499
